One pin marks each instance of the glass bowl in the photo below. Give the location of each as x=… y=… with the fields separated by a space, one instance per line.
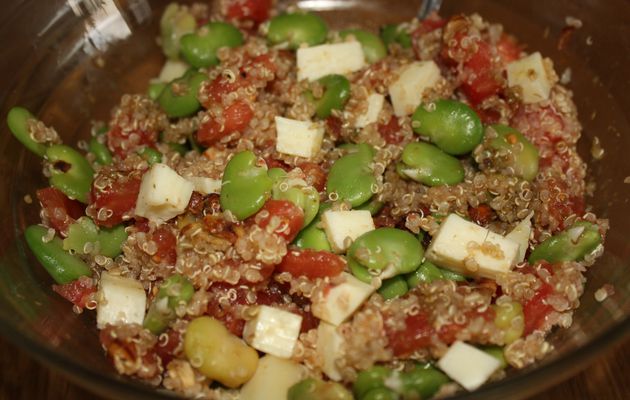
x=70 y=62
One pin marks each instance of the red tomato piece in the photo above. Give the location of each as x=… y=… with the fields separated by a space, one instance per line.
x=236 y=118
x=536 y=310
x=333 y=127
x=315 y=175
x=508 y=49
x=77 y=292
x=482 y=214
x=59 y=209
x=416 y=335
x=390 y=131
x=121 y=143
x=254 y=10
x=165 y=349
x=118 y=199
x=311 y=263
x=291 y=218
x=482 y=76
x=166 y=246
x=273 y=163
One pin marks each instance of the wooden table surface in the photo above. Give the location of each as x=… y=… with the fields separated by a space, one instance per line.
x=22 y=378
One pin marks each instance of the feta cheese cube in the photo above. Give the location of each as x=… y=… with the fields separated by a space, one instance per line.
x=172 y=69
x=273 y=331
x=520 y=234
x=163 y=194
x=283 y=373
x=298 y=138
x=413 y=80
x=467 y=365
x=470 y=249
x=119 y=300
x=329 y=347
x=530 y=75
x=340 y=225
x=341 y=301
x=337 y=58
x=205 y=185
x=374 y=107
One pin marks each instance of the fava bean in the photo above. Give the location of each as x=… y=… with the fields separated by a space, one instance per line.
x=102 y=155
x=422 y=382
x=395 y=34
x=393 y=287
x=155 y=90
x=70 y=172
x=62 y=266
x=351 y=177
x=179 y=98
x=218 y=354
x=111 y=240
x=315 y=389
x=523 y=155
x=150 y=155
x=453 y=126
x=373 y=47
x=510 y=318
x=336 y=94
x=429 y=272
x=571 y=244
x=370 y=379
x=175 y=290
x=381 y=393
x=84 y=237
x=17 y=120
x=496 y=352
x=296 y=29
x=304 y=196
x=425 y=163
x=176 y=22
x=373 y=206
x=246 y=185
x=200 y=49
x=313 y=237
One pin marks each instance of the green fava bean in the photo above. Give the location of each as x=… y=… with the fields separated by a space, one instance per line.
x=336 y=94
x=175 y=290
x=314 y=238
x=422 y=382
x=179 y=98
x=523 y=153
x=82 y=236
x=373 y=206
x=359 y=271
x=382 y=393
x=296 y=29
x=453 y=126
x=246 y=186
x=370 y=379
x=569 y=245
x=351 y=176
x=102 y=155
x=200 y=49
x=305 y=197
x=18 y=120
x=373 y=47
x=429 y=165
x=394 y=34
x=426 y=273
x=70 y=172
x=111 y=240
x=62 y=266
x=452 y=276
x=386 y=248
x=176 y=21
x=315 y=389
x=155 y=90
x=496 y=352
x=393 y=287
x=150 y=155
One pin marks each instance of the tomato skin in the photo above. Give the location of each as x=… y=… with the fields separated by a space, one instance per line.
x=166 y=349
x=482 y=75
x=482 y=214
x=122 y=143
x=119 y=197
x=236 y=118
x=77 y=292
x=390 y=131
x=416 y=335
x=311 y=263
x=60 y=210
x=536 y=310
x=166 y=246
x=291 y=217
x=255 y=10
x=315 y=175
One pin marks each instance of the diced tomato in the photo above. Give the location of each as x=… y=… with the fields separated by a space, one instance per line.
x=315 y=175
x=254 y=10
x=273 y=163
x=333 y=127
x=311 y=263
x=536 y=310
x=384 y=218
x=122 y=142
x=59 y=209
x=416 y=335
x=291 y=218
x=560 y=207
x=508 y=49
x=482 y=214
x=482 y=77
x=166 y=246
x=236 y=118
x=77 y=292
x=165 y=349
x=118 y=198
x=427 y=25
x=390 y=131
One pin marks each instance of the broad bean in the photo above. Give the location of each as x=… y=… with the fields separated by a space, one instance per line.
x=176 y=21
x=381 y=393
x=155 y=90
x=17 y=120
x=523 y=154
x=422 y=382
x=373 y=47
x=246 y=186
x=393 y=287
x=370 y=379
x=336 y=94
x=176 y=290
x=427 y=164
x=351 y=177
x=296 y=29
x=429 y=272
x=315 y=389
x=510 y=318
x=70 y=172
x=373 y=206
x=102 y=155
x=150 y=155
x=395 y=34
x=314 y=237
x=496 y=352
x=200 y=49
x=179 y=98
x=304 y=196
x=571 y=244
x=84 y=237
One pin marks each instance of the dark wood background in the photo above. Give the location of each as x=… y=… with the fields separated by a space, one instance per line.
x=22 y=378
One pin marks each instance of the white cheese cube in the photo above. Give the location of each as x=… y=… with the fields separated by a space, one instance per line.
x=520 y=234
x=163 y=194
x=298 y=138
x=172 y=69
x=205 y=185
x=340 y=225
x=530 y=75
x=272 y=379
x=341 y=301
x=273 y=331
x=329 y=346
x=467 y=365
x=119 y=300
x=413 y=80
x=470 y=249
x=374 y=107
x=338 y=58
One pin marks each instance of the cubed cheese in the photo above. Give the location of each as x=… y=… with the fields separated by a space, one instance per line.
x=470 y=249
x=163 y=194
x=467 y=365
x=338 y=58
x=520 y=234
x=340 y=225
x=341 y=301
x=205 y=185
x=298 y=138
x=272 y=380
x=374 y=105
x=530 y=75
x=273 y=331
x=119 y=300
x=329 y=347
x=172 y=69
x=413 y=80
